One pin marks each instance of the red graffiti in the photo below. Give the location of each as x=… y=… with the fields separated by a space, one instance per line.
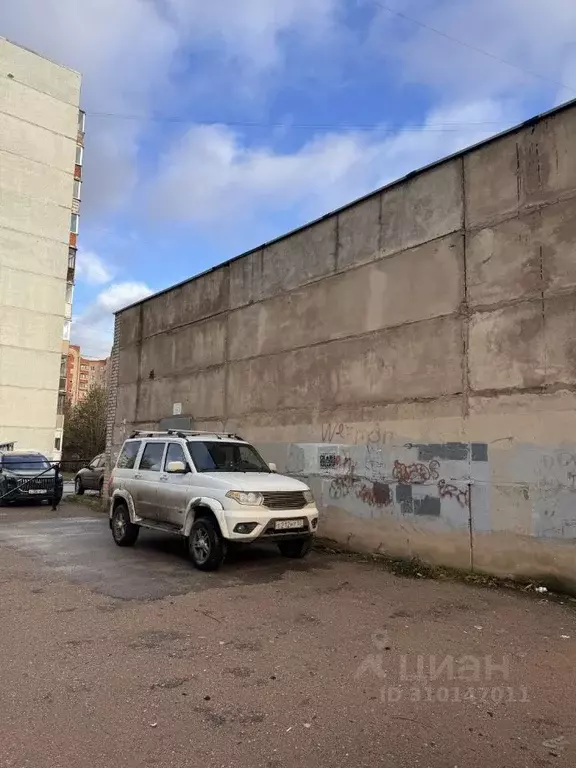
x=409 y=474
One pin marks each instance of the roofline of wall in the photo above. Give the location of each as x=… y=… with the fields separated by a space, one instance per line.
x=508 y=132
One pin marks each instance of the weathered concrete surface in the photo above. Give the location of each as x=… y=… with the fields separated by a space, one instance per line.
x=149 y=662
x=359 y=233
x=438 y=311
x=187 y=303
x=416 y=360
x=370 y=298
x=425 y=207
x=507 y=348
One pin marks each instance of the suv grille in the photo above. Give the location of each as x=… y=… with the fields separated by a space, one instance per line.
x=284 y=500
x=46 y=483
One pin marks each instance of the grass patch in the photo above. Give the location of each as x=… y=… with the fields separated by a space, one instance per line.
x=414 y=568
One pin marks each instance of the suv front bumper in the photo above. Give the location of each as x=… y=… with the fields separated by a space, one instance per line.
x=266 y=520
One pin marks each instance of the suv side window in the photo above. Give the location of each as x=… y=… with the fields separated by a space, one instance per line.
x=175 y=453
x=127 y=457
x=152 y=457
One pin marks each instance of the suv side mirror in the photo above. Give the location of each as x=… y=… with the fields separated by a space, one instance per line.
x=272 y=467
x=176 y=468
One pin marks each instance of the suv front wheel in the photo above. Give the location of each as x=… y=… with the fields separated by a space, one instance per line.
x=123 y=529
x=207 y=547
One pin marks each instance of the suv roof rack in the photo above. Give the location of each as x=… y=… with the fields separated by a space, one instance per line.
x=184 y=433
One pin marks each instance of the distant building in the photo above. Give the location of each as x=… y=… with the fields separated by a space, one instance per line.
x=41 y=148
x=82 y=374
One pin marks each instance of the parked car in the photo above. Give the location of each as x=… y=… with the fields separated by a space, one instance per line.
x=91 y=478
x=210 y=488
x=28 y=476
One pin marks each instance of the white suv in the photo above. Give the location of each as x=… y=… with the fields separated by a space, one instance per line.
x=210 y=488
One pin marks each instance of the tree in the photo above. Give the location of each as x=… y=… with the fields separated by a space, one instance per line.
x=85 y=426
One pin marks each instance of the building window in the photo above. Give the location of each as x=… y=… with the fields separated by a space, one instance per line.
x=61 y=403
x=77 y=189
x=71 y=258
x=74 y=222
x=69 y=293
x=79 y=154
x=57 y=443
x=67 y=328
x=81 y=121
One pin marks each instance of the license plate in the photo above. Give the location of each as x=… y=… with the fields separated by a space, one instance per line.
x=283 y=525
x=37 y=491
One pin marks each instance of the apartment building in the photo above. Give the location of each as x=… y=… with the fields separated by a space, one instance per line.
x=41 y=152
x=83 y=373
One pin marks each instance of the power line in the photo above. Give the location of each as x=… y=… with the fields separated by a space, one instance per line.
x=425 y=127
x=472 y=47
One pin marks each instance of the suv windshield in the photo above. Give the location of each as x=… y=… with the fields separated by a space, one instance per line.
x=220 y=456
x=15 y=462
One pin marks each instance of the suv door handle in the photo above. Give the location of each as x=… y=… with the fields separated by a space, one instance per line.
x=164 y=478
x=137 y=475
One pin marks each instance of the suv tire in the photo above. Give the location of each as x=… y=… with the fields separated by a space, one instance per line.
x=295 y=548
x=78 y=487
x=124 y=531
x=206 y=545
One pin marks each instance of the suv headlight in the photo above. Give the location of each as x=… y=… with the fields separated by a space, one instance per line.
x=250 y=498
x=309 y=497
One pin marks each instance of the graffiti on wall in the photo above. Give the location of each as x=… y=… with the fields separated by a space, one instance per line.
x=415 y=473
x=414 y=479
x=348 y=482
x=451 y=491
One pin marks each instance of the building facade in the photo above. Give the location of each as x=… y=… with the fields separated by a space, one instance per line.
x=82 y=374
x=411 y=356
x=41 y=153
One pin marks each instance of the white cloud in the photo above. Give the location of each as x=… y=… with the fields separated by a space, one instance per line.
x=93 y=330
x=90 y=268
x=128 y=51
x=209 y=175
x=531 y=34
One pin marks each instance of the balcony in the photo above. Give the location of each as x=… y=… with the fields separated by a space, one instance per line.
x=71 y=265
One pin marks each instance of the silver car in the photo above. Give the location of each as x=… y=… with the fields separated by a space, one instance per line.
x=210 y=488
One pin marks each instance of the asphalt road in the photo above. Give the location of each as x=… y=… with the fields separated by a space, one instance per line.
x=130 y=657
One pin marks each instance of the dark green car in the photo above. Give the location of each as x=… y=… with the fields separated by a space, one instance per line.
x=28 y=477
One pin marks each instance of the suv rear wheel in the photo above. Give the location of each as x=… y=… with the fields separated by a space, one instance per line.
x=78 y=487
x=295 y=548
x=124 y=531
x=206 y=544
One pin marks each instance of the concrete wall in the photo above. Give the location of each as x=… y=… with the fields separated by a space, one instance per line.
x=411 y=355
x=38 y=133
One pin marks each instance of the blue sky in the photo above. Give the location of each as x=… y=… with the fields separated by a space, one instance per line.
x=212 y=127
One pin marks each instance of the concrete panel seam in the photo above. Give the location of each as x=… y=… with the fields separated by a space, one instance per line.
x=34 y=387
x=43 y=275
x=485 y=309
x=55 y=352
x=72 y=138
x=34 y=311
x=525 y=209
x=465 y=306
x=40 y=237
x=305 y=284
x=51 y=95
x=185 y=373
x=365 y=335
x=37 y=162
x=358 y=404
